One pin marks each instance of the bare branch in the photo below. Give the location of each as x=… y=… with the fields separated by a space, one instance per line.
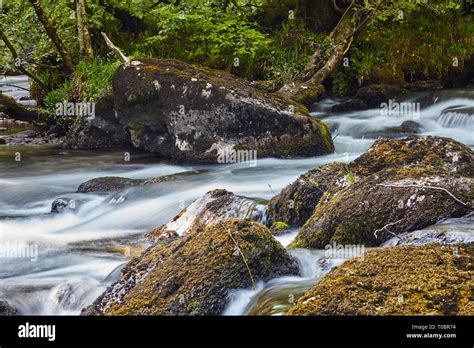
x=115 y=49
x=385 y=228
x=431 y=188
x=242 y=255
x=18 y=66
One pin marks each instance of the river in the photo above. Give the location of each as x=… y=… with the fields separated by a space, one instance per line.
x=75 y=255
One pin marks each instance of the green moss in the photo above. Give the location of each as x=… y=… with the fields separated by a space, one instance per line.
x=279 y=225
x=403 y=280
x=326 y=136
x=137 y=128
x=195 y=273
x=347 y=233
x=297 y=243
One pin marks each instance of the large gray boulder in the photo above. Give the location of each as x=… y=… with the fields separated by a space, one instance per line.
x=195 y=114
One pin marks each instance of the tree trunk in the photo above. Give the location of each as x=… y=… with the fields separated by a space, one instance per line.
x=19 y=112
x=308 y=86
x=52 y=33
x=84 y=37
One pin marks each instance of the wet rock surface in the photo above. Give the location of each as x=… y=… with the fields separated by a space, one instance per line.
x=195 y=114
x=7 y=309
x=215 y=206
x=195 y=274
x=118 y=183
x=296 y=203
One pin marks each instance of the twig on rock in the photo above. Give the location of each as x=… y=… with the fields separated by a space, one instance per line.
x=429 y=187
x=386 y=229
x=243 y=256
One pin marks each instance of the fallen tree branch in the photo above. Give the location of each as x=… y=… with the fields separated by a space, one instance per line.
x=385 y=228
x=431 y=188
x=115 y=49
x=19 y=112
x=242 y=255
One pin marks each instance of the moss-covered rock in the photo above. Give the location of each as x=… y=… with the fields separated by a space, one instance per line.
x=190 y=113
x=215 y=206
x=296 y=202
x=352 y=214
x=385 y=74
x=403 y=280
x=437 y=152
x=195 y=274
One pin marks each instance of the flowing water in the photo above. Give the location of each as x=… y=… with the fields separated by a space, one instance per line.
x=68 y=259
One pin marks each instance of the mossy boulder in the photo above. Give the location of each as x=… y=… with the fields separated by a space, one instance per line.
x=437 y=152
x=296 y=202
x=100 y=131
x=404 y=280
x=394 y=200
x=196 y=114
x=195 y=274
x=215 y=206
x=385 y=74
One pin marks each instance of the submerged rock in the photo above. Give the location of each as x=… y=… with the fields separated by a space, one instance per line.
x=74 y=294
x=107 y=184
x=215 y=206
x=404 y=280
x=372 y=209
x=6 y=309
x=405 y=129
x=59 y=205
x=195 y=274
x=118 y=183
x=195 y=114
